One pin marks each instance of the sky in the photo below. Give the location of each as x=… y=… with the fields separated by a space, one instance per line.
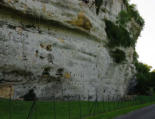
x=146 y=43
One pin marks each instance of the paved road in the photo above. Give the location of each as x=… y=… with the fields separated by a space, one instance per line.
x=144 y=113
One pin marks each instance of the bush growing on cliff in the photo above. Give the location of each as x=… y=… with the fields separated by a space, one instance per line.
x=118 y=36
x=123 y=18
x=135 y=57
x=118 y=56
x=131 y=12
x=126 y=2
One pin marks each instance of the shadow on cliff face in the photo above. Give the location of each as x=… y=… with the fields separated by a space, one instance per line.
x=15 y=75
x=30 y=96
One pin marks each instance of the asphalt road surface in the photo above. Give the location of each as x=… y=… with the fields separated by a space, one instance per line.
x=144 y=113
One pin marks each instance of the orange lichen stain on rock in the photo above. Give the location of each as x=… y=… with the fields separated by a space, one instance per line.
x=61 y=40
x=6 y=92
x=19 y=30
x=67 y=75
x=9 y=1
x=81 y=21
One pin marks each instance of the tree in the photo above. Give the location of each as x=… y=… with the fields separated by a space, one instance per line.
x=143 y=78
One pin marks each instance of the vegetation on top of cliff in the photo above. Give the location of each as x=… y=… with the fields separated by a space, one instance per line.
x=128 y=14
x=145 y=77
x=118 y=35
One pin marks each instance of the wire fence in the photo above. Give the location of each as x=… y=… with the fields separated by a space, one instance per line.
x=66 y=109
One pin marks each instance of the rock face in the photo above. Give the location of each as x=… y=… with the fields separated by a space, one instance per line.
x=60 y=48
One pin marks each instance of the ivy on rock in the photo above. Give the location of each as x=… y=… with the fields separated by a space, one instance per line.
x=118 y=36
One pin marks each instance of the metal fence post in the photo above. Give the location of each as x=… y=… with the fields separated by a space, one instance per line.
x=10 y=104
x=95 y=105
x=80 y=107
x=88 y=103
x=36 y=113
x=31 y=110
x=103 y=105
x=54 y=108
x=69 y=111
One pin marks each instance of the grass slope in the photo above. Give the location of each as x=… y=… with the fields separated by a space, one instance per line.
x=69 y=110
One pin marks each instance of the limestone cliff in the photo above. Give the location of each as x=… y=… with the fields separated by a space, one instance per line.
x=59 y=47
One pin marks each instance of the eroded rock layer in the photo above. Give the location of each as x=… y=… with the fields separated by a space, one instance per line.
x=59 y=47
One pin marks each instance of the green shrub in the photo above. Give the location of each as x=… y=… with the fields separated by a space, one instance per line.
x=118 y=36
x=152 y=84
x=118 y=56
x=131 y=12
x=123 y=18
x=126 y=2
x=135 y=56
x=143 y=78
x=143 y=68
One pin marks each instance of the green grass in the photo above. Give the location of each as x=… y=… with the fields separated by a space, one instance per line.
x=63 y=109
x=43 y=110
x=116 y=113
